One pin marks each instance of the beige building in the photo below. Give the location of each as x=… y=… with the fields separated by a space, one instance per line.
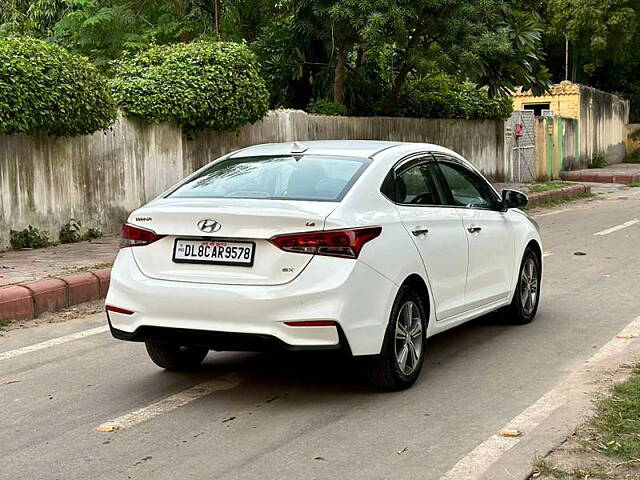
x=563 y=100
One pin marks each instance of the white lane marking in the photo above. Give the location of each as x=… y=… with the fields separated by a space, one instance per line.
x=555 y=212
x=53 y=342
x=618 y=227
x=547 y=254
x=481 y=458
x=172 y=402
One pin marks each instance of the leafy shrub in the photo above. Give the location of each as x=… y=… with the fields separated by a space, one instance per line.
x=70 y=232
x=325 y=107
x=442 y=96
x=598 y=160
x=197 y=85
x=45 y=88
x=92 y=234
x=30 y=237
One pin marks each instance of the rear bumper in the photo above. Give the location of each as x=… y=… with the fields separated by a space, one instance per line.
x=245 y=317
x=222 y=341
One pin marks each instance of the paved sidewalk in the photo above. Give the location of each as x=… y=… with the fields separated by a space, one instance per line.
x=624 y=173
x=22 y=266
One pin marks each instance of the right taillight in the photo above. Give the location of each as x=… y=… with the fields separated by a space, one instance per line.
x=334 y=243
x=133 y=236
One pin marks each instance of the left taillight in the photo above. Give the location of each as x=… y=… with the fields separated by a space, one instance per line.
x=345 y=243
x=133 y=236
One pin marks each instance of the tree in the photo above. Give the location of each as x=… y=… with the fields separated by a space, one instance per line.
x=603 y=36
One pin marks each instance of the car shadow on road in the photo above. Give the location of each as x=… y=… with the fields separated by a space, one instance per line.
x=335 y=371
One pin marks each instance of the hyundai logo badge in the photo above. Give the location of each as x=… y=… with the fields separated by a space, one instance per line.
x=209 y=226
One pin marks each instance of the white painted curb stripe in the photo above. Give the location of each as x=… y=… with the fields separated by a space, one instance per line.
x=172 y=402
x=53 y=342
x=618 y=227
x=481 y=458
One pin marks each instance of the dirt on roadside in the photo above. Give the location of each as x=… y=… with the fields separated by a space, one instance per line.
x=65 y=315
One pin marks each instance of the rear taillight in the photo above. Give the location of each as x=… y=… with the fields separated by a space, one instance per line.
x=133 y=236
x=335 y=243
x=124 y=311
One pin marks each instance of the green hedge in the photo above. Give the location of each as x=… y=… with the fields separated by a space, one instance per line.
x=325 y=107
x=197 y=85
x=45 y=88
x=441 y=96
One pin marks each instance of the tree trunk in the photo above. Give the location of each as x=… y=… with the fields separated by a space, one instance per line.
x=398 y=82
x=339 y=76
x=184 y=35
x=216 y=19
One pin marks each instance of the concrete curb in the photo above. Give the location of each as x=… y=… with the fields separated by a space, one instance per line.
x=566 y=193
x=29 y=300
x=601 y=177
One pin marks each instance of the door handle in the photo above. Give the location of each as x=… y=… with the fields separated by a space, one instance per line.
x=420 y=231
x=474 y=229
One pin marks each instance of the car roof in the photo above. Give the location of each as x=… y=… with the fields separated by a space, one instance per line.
x=348 y=148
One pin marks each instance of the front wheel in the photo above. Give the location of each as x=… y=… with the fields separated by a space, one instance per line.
x=399 y=364
x=524 y=306
x=175 y=357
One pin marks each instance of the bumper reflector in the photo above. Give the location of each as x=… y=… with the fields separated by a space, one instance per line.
x=123 y=311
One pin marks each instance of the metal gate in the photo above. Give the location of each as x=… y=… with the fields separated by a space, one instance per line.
x=522 y=143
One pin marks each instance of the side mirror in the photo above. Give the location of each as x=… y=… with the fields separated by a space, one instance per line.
x=513 y=199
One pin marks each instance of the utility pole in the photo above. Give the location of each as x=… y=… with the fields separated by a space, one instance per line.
x=566 y=57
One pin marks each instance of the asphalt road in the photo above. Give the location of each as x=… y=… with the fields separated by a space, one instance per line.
x=310 y=416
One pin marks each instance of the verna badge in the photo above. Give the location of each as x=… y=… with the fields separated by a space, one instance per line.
x=209 y=226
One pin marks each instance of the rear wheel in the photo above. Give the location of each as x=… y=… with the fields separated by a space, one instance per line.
x=175 y=357
x=399 y=364
x=526 y=299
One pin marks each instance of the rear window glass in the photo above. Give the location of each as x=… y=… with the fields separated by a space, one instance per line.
x=307 y=177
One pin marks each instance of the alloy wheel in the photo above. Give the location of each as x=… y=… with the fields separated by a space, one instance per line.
x=408 y=337
x=529 y=286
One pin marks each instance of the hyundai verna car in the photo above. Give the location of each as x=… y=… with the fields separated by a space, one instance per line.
x=368 y=246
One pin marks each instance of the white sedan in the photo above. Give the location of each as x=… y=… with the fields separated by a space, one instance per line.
x=372 y=247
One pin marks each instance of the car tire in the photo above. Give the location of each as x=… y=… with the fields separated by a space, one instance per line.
x=526 y=298
x=386 y=370
x=175 y=357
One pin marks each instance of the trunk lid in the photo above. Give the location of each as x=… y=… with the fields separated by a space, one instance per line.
x=236 y=220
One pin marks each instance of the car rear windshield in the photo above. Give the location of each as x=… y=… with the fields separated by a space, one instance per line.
x=307 y=177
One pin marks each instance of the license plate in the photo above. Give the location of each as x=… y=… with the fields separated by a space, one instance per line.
x=215 y=252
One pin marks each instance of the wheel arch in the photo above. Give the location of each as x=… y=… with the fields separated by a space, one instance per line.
x=535 y=247
x=419 y=285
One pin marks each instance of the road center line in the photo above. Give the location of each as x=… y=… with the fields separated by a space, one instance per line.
x=618 y=227
x=481 y=458
x=172 y=402
x=53 y=342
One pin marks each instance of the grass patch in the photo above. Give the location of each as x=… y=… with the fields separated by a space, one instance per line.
x=634 y=184
x=546 y=186
x=617 y=420
x=556 y=203
x=544 y=468
x=4 y=323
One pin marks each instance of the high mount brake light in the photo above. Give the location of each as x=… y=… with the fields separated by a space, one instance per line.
x=133 y=236
x=346 y=243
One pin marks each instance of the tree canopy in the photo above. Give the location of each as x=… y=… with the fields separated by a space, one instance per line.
x=361 y=54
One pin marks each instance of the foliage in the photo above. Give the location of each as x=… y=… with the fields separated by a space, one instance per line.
x=92 y=234
x=30 y=237
x=441 y=96
x=598 y=160
x=198 y=85
x=325 y=107
x=602 y=35
x=633 y=157
x=616 y=420
x=71 y=232
x=44 y=88
x=31 y=17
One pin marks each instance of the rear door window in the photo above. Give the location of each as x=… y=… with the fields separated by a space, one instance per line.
x=308 y=177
